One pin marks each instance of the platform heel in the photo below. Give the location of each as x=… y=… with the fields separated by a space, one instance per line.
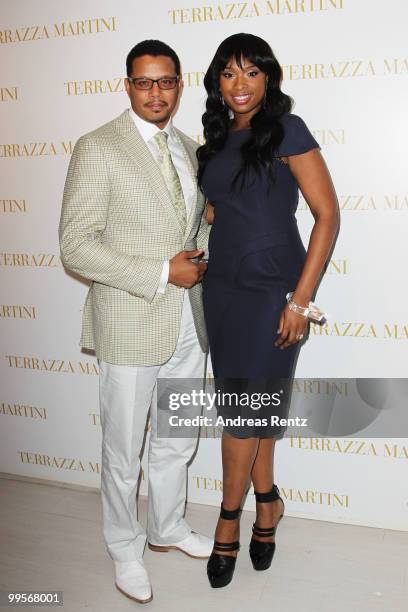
x=261 y=553
x=220 y=568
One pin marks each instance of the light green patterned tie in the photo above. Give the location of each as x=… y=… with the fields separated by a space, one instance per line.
x=171 y=177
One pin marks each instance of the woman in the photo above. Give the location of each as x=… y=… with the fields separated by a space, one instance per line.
x=256 y=156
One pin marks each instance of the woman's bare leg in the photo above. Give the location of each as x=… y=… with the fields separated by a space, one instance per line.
x=267 y=514
x=238 y=456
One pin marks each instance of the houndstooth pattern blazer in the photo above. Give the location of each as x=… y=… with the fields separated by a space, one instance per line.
x=117 y=226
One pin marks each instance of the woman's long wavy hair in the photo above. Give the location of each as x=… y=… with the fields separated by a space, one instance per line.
x=267 y=130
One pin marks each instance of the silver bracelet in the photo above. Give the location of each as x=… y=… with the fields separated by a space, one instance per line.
x=311 y=312
x=297 y=308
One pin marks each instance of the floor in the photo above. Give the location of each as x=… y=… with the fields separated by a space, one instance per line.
x=51 y=538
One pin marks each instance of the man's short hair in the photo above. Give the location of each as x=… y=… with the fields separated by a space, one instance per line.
x=151 y=47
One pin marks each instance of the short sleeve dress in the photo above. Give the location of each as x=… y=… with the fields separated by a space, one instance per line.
x=256 y=256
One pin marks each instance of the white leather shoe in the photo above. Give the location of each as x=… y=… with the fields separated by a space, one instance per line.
x=131 y=579
x=194 y=545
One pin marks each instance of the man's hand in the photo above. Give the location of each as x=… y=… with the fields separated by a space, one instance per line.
x=185 y=273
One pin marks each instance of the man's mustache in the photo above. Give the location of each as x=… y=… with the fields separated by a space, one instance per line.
x=153 y=102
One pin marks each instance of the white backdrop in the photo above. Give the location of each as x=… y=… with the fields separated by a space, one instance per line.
x=345 y=64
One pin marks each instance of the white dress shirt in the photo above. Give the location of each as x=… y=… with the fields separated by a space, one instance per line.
x=148 y=131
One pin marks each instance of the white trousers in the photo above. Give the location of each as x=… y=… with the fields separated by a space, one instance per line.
x=125 y=395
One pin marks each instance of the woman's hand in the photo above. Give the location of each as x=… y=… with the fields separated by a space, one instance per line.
x=292 y=327
x=209 y=213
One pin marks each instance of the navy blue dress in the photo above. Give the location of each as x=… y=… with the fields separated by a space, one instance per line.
x=256 y=256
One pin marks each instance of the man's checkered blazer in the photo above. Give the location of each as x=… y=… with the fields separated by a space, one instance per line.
x=117 y=226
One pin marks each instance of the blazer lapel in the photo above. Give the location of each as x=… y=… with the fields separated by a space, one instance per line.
x=131 y=141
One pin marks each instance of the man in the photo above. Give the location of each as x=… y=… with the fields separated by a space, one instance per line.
x=131 y=222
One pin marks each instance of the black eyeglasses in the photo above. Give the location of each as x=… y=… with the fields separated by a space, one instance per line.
x=163 y=82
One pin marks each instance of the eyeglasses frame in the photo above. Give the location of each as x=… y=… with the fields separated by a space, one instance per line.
x=153 y=81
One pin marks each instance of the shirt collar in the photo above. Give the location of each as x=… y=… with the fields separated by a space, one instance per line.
x=149 y=130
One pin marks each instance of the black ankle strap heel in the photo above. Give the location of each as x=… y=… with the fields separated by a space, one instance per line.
x=229 y=515
x=269 y=496
x=261 y=553
x=220 y=568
